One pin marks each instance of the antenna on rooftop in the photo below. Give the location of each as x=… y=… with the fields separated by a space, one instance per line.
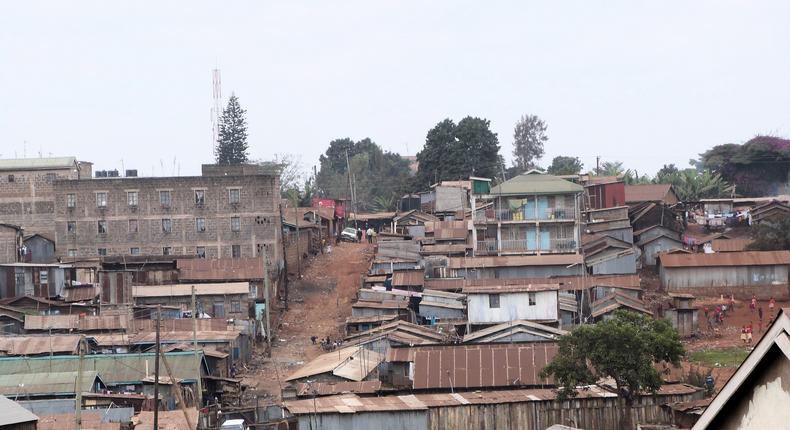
x=216 y=109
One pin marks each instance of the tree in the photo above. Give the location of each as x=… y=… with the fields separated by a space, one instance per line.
x=563 y=165
x=623 y=348
x=529 y=135
x=666 y=171
x=611 y=168
x=692 y=185
x=454 y=151
x=232 y=141
x=758 y=167
x=374 y=172
x=771 y=235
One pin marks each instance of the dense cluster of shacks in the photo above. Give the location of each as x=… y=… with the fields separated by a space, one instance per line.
x=472 y=284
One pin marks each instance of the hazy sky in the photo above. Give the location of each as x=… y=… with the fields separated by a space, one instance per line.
x=646 y=83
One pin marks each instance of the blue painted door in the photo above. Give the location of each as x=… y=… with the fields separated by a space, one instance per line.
x=532 y=240
x=529 y=208
x=543 y=207
x=545 y=241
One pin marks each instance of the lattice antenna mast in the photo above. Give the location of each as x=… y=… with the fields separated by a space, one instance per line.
x=216 y=109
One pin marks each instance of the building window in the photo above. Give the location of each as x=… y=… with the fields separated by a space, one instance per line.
x=167 y=225
x=11 y=178
x=133 y=226
x=72 y=253
x=102 y=251
x=167 y=250
x=101 y=200
x=164 y=198
x=201 y=251
x=235 y=306
x=235 y=251
x=200 y=197
x=134 y=251
x=131 y=198
x=235 y=224
x=219 y=310
x=200 y=224
x=532 y=298
x=234 y=196
x=493 y=300
x=71 y=227
x=71 y=200
x=102 y=227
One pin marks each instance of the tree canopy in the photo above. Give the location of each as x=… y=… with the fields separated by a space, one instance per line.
x=232 y=140
x=758 y=167
x=378 y=176
x=529 y=136
x=564 y=165
x=454 y=151
x=692 y=185
x=771 y=235
x=623 y=348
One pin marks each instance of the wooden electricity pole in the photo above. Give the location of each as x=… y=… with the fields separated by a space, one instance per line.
x=195 y=347
x=78 y=383
x=156 y=368
x=266 y=294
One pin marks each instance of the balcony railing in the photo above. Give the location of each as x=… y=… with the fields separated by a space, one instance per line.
x=489 y=246
x=543 y=214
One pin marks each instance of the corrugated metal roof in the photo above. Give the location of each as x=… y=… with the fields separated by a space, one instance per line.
x=370 y=319
x=647 y=192
x=444 y=284
x=13 y=413
x=415 y=334
x=34 y=345
x=403 y=278
x=444 y=249
x=743 y=258
x=614 y=301
x=222 y=269
x=730 y=245
x=46 y=383
x=185 y=336
x=186 y=289
x=505 y=329
x=330 y=361
x=38 y=163
x=515 y=261
x=497 y=289
x=114 y=369
x=535 y=183
x=80 y=293
x=107 y=340
x=384 y=304
x=86 y=323
x=168 y=420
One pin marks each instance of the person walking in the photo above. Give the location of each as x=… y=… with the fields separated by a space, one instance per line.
x=749 y=334
x=760 y=313
x=369 y=234
x=753 y=303
x=771 y=306
x=732 y=302
x=743 y=334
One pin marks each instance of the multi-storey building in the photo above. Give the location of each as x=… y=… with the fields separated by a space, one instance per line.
x=228 y=212
x=27 y=190
x=534 y=213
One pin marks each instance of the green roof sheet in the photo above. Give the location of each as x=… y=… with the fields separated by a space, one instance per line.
x=535 y=183
x=46 y=383
x=113 y=369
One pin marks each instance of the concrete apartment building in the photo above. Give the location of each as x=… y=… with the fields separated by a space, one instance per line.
x=227 y=212
x=27 y=196
x=533 y=213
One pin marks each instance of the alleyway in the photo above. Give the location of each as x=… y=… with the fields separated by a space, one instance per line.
x=318 y=306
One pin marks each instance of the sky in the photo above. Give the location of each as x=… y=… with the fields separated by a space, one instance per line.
x=128 y=84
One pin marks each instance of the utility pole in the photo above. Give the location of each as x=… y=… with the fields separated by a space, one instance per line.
x=268 y=302
x=78 y=405
x=597 y=164
x=195 y=347
x=175 y=383
x=351 y=188
x=156 y=368
x=298 y=254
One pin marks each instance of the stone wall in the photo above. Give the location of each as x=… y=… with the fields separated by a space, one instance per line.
x=26 y=198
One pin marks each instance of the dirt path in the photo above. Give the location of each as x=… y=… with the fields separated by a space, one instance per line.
x=318 y=306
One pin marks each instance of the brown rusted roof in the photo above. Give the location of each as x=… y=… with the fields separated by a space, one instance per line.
x=482 y=365
x=399 y=330
x=223 y=269
x=185 y=324
x=730 y=245
x=567 y=283
x=614 y=301
x=515 y=261
x=80 y=293
x=742 y=258
x=497 y=289
x=33 y=345
x=339 y=361
x=333 y=388
x=171 y=290
x=444 y=284
x=384 y=304
x=84 y=323
x=403 y=278
x=370 y=319
x=647 y=192
x=444 y=249
x=185 y=336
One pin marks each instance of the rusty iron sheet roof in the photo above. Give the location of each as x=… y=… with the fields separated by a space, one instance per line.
x=333 y=388
x=444 y=284
x=185 y=336
x=401 y=331
x=402 y=278
x=76 y=322
x=34 y=345
x=168 y=420
x=350 y=363
x=515 y=261
x=444 y=249
x=185 y=324
x=383 y=304
x=491 y=334
x=370 y=319
x=80 y=293
x=182 y=290
x=647 y=192
x=46 y=383
x=113 y=339
x=90 y=420
x=482 y=365
x=615 y=301
x=517 y=288
x=743 y=258
x=567 y=283
x=730 y=245
x=222 y=269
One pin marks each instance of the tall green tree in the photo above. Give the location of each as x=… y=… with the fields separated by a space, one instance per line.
x=454 y=151
x=759 y=167
x=232 y=141
x=772 y=235
x=692 y=185
x=612 y=168
x=529 y=136
x=623 y=348
x=564 y=165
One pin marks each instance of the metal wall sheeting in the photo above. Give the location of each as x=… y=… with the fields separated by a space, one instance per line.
x=737 y=276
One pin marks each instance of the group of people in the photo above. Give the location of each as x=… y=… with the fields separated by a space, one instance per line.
x=327 y=344
x=716 y=316
x=368 y=234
